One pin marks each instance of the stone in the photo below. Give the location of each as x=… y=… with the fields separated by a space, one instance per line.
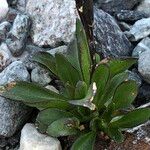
x=139 y=30
x=4 y=29
x=130 y=16
x=31 y=139
x=12 y=116
x=112 y=6
x=142 y=46
x=16 y=71
x=18 y=34
x=5 y=56
x=21 y=5
x=124 y=26
x=60 y=49
x=144 y=65
x=56 y=27
x=11 y=15
x=144 y=7
x=40 y=76
x=110 y=40
x=3 y=9
x=135 y=77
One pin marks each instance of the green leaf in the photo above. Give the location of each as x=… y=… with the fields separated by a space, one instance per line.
x=47 y=116
x=97 y=58
x=47 y=60
x=100 y=77
x=72 y=55
x=34 y=94
x=87 y=101
x=80 y=90
x=115 y=134
x=63 y=127
x=114 y=83
x=125 y=94
x=66 y=72
x=132 y=119
x=83 y=51
x=85 y=142
x=120 y=65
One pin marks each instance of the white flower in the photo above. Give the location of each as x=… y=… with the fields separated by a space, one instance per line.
x=3 y=9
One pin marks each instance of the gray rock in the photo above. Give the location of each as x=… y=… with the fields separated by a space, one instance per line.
x=135 y=77
x=3 y=9
x=143 y=46
x=12 y=116
x=139 y=30
x=144 y=7
x=5 y=56
x=11 y=15
x=4 y=29
x=110 y=40
x=31 y=139
x=112 y=6
x=40 y=76
x=124 y=26
x=58 y=26
x=18 y=34
x=60 y=49
x=16 y=71
x=144 y=65
x=21 y=5
x=130 y=16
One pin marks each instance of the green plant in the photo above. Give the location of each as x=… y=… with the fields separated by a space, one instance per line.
x=95 y=96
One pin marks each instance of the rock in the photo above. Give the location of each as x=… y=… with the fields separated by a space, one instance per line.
x=3 y=9
x=110 y=40
x=144 y=65
x=11 y=15
x=112 y=6
x=60 y=49
x=12 y=2
x=135 y=77
x=144 y=7
x=16 y=71
x=40 y=76
x=143 y=95
x=140 y=29
x=21 y=5
x=124 y=26
x=31 y=139
x=143 y=46
x=18 y=34
x=130 y=16
x=56 y=27
x=4 y=29
x=5 y=56
x=12 y=116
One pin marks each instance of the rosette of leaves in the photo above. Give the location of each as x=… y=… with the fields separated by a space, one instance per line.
x=95 y=95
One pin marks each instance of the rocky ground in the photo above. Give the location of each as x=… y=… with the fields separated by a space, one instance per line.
x=121 y=29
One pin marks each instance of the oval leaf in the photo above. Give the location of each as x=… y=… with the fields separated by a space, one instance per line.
x=132 y=119
x=63 y=127
x=85 y=142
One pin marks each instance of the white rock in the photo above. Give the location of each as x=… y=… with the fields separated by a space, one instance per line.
x=5 y=56
x=144 y=7
x=140 y=29
x=31 y=139
x=53 y=21
x=144 y=65
x=3 y=9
